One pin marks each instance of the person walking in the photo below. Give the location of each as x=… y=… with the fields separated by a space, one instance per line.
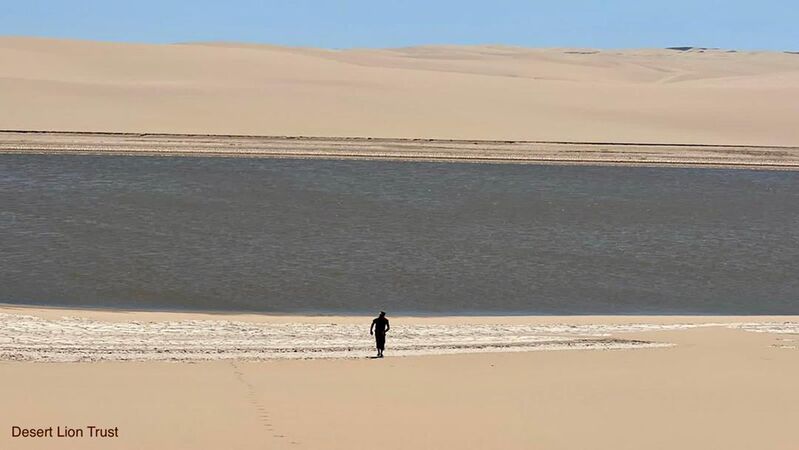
x=379 y=328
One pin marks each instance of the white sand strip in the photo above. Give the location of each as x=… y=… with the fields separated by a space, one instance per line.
x=71 y=339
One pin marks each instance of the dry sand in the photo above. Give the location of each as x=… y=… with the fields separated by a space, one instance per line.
x=450 y=92
x=720 y=386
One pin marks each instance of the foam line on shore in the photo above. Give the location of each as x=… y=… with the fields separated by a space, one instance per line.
x=74 y=339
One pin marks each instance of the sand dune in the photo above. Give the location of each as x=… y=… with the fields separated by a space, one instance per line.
x=482 y=92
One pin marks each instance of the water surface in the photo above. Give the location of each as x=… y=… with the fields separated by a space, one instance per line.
x=348 y=236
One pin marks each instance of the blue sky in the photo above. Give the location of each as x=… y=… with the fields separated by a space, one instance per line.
x=745 y=25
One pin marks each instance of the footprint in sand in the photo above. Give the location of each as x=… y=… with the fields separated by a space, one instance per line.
x=252 y=397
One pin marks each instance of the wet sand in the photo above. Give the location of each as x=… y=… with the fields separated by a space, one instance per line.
x=47 y=142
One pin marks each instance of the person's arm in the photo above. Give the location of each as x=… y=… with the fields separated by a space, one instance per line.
x=372 y=328
x=388 y=326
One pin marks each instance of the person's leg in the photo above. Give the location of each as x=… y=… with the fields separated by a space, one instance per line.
x=381 y=344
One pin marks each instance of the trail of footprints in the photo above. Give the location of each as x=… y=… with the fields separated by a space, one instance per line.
x=252 y=398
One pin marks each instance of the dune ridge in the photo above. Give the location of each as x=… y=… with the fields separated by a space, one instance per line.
x=696 y=96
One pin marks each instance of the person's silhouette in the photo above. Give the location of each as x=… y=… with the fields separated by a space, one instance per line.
x=379 y=328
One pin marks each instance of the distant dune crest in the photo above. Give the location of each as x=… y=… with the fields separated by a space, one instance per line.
x=676 y=95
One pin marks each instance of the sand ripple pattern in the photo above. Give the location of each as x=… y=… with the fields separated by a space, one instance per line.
x=72 y=339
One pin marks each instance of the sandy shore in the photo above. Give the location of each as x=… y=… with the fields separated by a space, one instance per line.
x=400 y=149
x=728 y=385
